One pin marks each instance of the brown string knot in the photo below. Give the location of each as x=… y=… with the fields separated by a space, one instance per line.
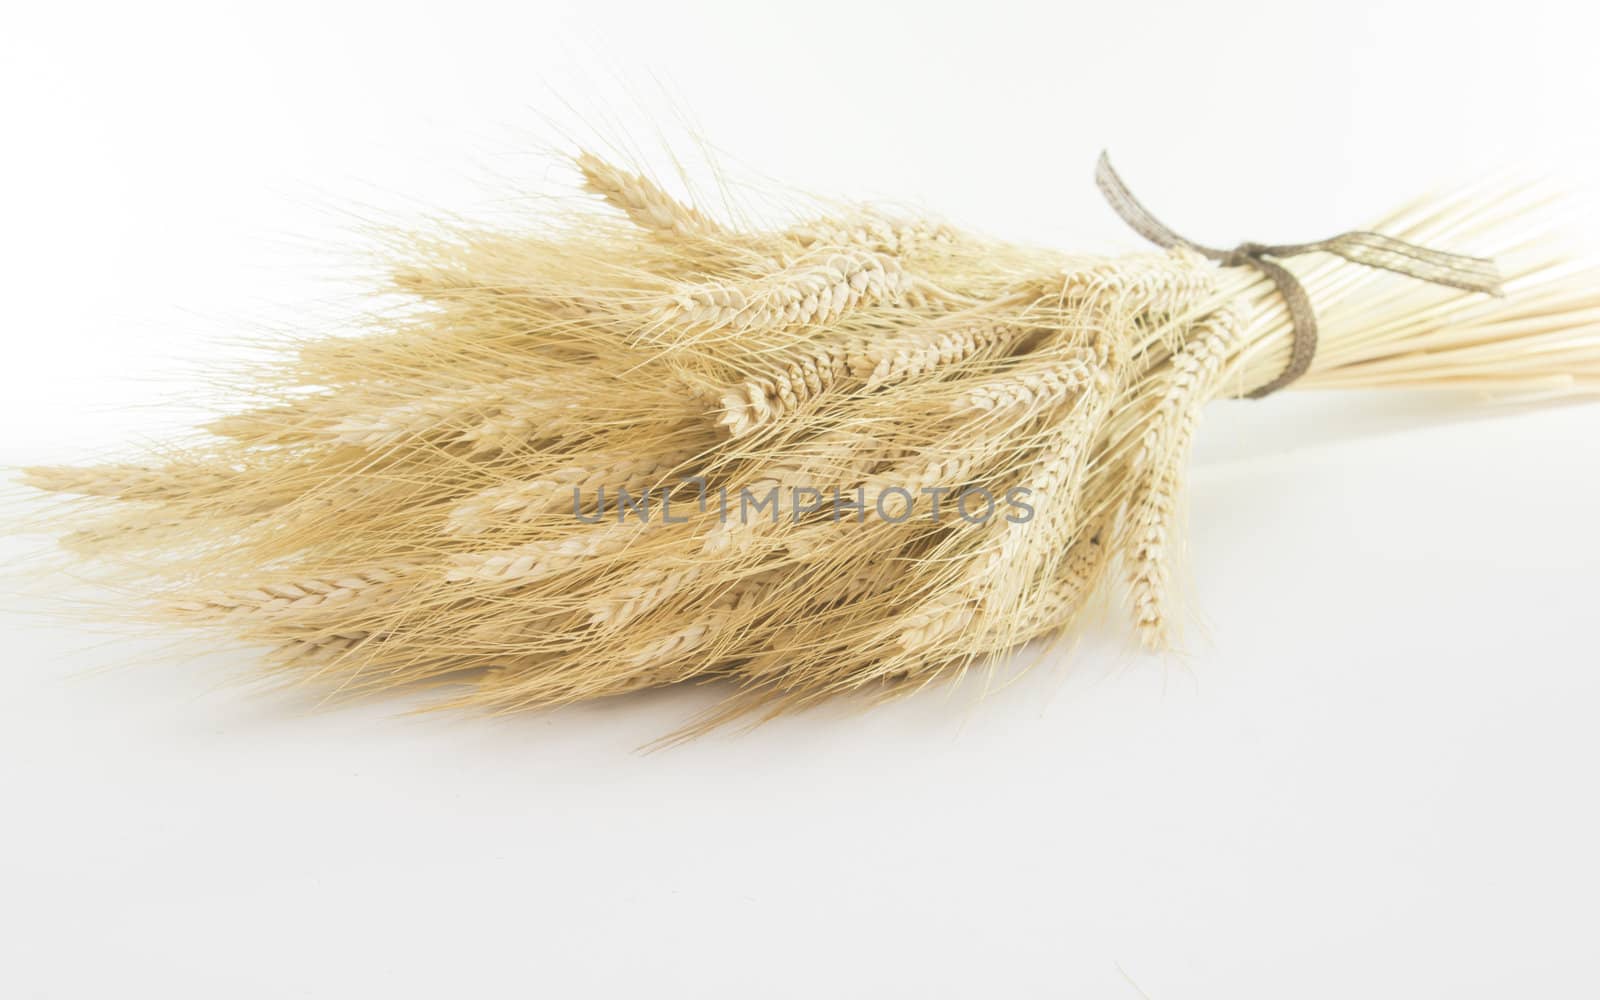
x=1473 y=274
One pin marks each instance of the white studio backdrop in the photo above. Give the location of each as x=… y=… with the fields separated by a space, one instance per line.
x=1370 y=774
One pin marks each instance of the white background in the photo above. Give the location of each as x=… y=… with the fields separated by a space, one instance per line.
x=1372 y=774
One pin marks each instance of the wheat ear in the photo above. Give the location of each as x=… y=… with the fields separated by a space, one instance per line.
x=650 y=208
x=1196 y=372
x=817 y=289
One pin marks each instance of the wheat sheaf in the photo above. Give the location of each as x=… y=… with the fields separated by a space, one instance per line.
x=455 y=499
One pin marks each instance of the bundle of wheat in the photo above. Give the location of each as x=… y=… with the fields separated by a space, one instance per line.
x=859 y=453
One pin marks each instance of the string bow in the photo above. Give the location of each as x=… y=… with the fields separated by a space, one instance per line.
x=1474 y=274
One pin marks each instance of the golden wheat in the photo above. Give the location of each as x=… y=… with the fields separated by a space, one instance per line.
x=535 y=486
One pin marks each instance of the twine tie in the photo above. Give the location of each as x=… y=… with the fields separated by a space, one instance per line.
x=1473 y=274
